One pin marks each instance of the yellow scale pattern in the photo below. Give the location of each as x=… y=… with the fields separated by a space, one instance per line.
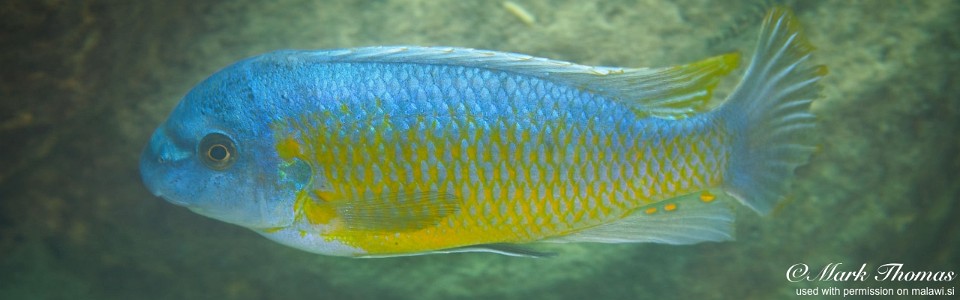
x=512 y=186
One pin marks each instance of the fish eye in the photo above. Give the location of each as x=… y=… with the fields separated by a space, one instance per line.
x=217 y=151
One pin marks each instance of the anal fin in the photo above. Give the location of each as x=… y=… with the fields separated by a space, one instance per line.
x=693 y=218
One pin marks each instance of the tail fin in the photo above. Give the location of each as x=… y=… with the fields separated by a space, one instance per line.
x=768 y=114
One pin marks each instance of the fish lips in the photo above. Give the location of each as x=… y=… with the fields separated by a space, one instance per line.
x=159 y=164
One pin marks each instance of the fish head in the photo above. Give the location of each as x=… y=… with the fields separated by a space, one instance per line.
x=215 y=155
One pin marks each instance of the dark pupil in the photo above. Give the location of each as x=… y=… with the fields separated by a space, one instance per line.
x=218 y=152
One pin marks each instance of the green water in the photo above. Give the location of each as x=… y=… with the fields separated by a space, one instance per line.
x=84 y=83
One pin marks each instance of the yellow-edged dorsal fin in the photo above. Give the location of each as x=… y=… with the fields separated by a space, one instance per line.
x=667 y=92
x=680 y=91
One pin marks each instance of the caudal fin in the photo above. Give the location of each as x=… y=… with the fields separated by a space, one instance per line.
x=768 y=114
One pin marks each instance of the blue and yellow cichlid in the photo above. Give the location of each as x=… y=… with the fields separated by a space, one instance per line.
x=388 y=151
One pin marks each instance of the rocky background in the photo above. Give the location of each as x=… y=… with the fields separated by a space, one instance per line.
x=84 y=83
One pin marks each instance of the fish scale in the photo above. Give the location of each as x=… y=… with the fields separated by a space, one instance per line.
x=582 y=166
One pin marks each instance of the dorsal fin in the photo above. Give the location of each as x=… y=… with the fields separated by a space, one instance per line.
x=667 y=92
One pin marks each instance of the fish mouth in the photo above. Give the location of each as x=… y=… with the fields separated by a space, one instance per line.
x=148 y=171
x=158 y=159
x=152 y=175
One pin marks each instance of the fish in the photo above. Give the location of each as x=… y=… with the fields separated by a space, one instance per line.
x=405 y=150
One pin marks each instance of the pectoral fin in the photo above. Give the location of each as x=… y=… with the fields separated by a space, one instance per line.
x=392 y=212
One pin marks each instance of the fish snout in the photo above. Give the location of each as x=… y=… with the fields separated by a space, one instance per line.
x=159 y=161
